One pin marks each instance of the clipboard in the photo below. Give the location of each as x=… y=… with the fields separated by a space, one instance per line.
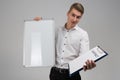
x=96 y=54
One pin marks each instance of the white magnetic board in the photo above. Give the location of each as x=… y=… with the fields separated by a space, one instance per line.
x=39 y=43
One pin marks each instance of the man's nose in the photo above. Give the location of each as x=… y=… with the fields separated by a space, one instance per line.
x=74 y=19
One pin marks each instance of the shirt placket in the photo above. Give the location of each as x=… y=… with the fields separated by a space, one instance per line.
x=64 y=45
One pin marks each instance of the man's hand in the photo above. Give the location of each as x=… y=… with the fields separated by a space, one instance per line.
x=37 y=18
x=89 y=65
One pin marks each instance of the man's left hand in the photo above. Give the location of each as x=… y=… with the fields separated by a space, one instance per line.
x=89 y=64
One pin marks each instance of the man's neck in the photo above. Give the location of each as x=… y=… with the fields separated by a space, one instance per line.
x=68 y=27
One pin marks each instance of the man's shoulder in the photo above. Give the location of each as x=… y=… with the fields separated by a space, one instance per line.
x=80 y=29
x=59 y=28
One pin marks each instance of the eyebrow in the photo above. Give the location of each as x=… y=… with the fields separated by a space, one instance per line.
x=75 y=15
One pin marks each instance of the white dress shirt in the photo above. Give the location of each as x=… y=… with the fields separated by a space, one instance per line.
x=70 y=44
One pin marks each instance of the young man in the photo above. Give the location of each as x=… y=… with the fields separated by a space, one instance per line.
x=71 y=42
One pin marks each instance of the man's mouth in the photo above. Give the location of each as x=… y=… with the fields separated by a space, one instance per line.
x=73 y=22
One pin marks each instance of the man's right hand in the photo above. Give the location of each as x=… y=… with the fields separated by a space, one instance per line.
x=37 y=18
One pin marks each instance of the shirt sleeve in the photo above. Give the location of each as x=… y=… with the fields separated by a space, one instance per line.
x=84 y=43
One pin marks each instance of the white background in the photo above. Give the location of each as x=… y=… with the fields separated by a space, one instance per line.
x=101 y=20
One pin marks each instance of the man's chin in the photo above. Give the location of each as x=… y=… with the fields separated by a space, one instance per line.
x=73 y=25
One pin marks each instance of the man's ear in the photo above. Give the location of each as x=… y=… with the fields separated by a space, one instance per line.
x=68 y=13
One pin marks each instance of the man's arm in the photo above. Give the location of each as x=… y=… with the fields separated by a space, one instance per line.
x=89 y=64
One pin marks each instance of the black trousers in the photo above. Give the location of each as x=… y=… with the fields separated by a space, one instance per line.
x=62 y=74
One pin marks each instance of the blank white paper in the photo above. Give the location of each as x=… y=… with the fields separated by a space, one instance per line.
x=39 y=43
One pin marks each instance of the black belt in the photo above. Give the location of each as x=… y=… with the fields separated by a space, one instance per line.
x=60 y=70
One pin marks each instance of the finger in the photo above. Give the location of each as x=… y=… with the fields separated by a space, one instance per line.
x=84 y=67
x=37 y=18
x=88 y=64
x=93 y=63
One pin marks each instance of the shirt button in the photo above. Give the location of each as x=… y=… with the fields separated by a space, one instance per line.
x=65 y=37
x=63 y=51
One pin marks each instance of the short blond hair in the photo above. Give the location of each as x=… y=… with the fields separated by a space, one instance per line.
x=77 y=6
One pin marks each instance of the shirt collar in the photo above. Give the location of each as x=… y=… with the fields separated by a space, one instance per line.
x=74 y=28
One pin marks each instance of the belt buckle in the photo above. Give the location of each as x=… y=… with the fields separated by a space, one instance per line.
x=60 y=70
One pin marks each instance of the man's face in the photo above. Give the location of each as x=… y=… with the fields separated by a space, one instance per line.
x=74 y=17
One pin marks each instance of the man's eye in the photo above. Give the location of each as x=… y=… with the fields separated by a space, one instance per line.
x=73 y=15
x=78 y=17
